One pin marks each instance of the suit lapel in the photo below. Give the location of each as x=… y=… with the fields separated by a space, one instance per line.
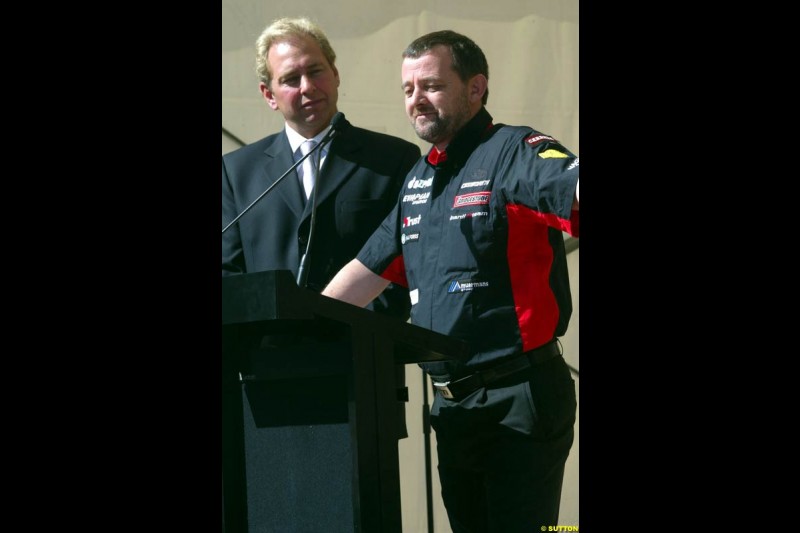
x=339 y=165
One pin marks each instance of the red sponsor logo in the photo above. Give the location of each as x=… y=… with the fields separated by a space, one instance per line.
x=537 y=138
x=473 y=198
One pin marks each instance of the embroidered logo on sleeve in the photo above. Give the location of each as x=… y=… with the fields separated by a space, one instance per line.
x=547 y=154
x=538 y=138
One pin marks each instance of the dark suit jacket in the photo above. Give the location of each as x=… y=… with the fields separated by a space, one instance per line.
x=357 y=186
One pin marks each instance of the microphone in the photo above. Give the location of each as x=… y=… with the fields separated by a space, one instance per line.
x=336 y=122
x=302 y=274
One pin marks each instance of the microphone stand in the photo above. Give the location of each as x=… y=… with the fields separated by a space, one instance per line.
x=337 y=121
x=302 y=273
x=277 y=181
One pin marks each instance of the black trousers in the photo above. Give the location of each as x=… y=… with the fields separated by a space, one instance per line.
x=502 y=451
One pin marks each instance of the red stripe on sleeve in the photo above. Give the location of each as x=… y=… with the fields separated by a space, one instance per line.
x=530 y=258
x=396 y=272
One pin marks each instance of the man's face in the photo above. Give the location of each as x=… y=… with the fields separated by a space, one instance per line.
x=304 y=85
x=437 y=101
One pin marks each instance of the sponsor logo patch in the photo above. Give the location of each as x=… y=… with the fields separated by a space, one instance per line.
x=408 y=238
x=465 y=285
x=419 y=184
x=473 y=198
x=469 y=215
x=470 y=184
x=547 y=154
x=573 y=164
x=537 y=138
x=417 y=197
x=411 y=221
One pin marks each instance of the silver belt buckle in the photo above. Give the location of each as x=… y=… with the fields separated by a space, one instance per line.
x=442 y=388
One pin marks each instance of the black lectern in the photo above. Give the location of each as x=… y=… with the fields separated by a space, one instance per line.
x=310 y=408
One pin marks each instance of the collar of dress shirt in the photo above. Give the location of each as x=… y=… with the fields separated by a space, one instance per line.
x=295 y=140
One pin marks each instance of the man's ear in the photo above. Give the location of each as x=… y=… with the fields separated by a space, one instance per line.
x=268 y=96
x=477 y=87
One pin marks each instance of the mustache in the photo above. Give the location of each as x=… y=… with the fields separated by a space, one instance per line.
x=419 y=112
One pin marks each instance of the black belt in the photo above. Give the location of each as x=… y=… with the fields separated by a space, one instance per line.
x=459 y=388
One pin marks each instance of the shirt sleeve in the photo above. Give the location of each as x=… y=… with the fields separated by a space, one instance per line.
x=544 y=177
x=382 y=253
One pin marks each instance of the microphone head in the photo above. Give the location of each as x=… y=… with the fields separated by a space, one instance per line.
x=337 y=120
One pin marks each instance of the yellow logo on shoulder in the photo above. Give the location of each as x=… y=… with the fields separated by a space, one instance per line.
x=552 y=153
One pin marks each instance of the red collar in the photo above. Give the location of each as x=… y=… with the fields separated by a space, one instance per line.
x=435 y=157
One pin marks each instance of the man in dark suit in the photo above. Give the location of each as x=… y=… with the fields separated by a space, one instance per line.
x=360 y=174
